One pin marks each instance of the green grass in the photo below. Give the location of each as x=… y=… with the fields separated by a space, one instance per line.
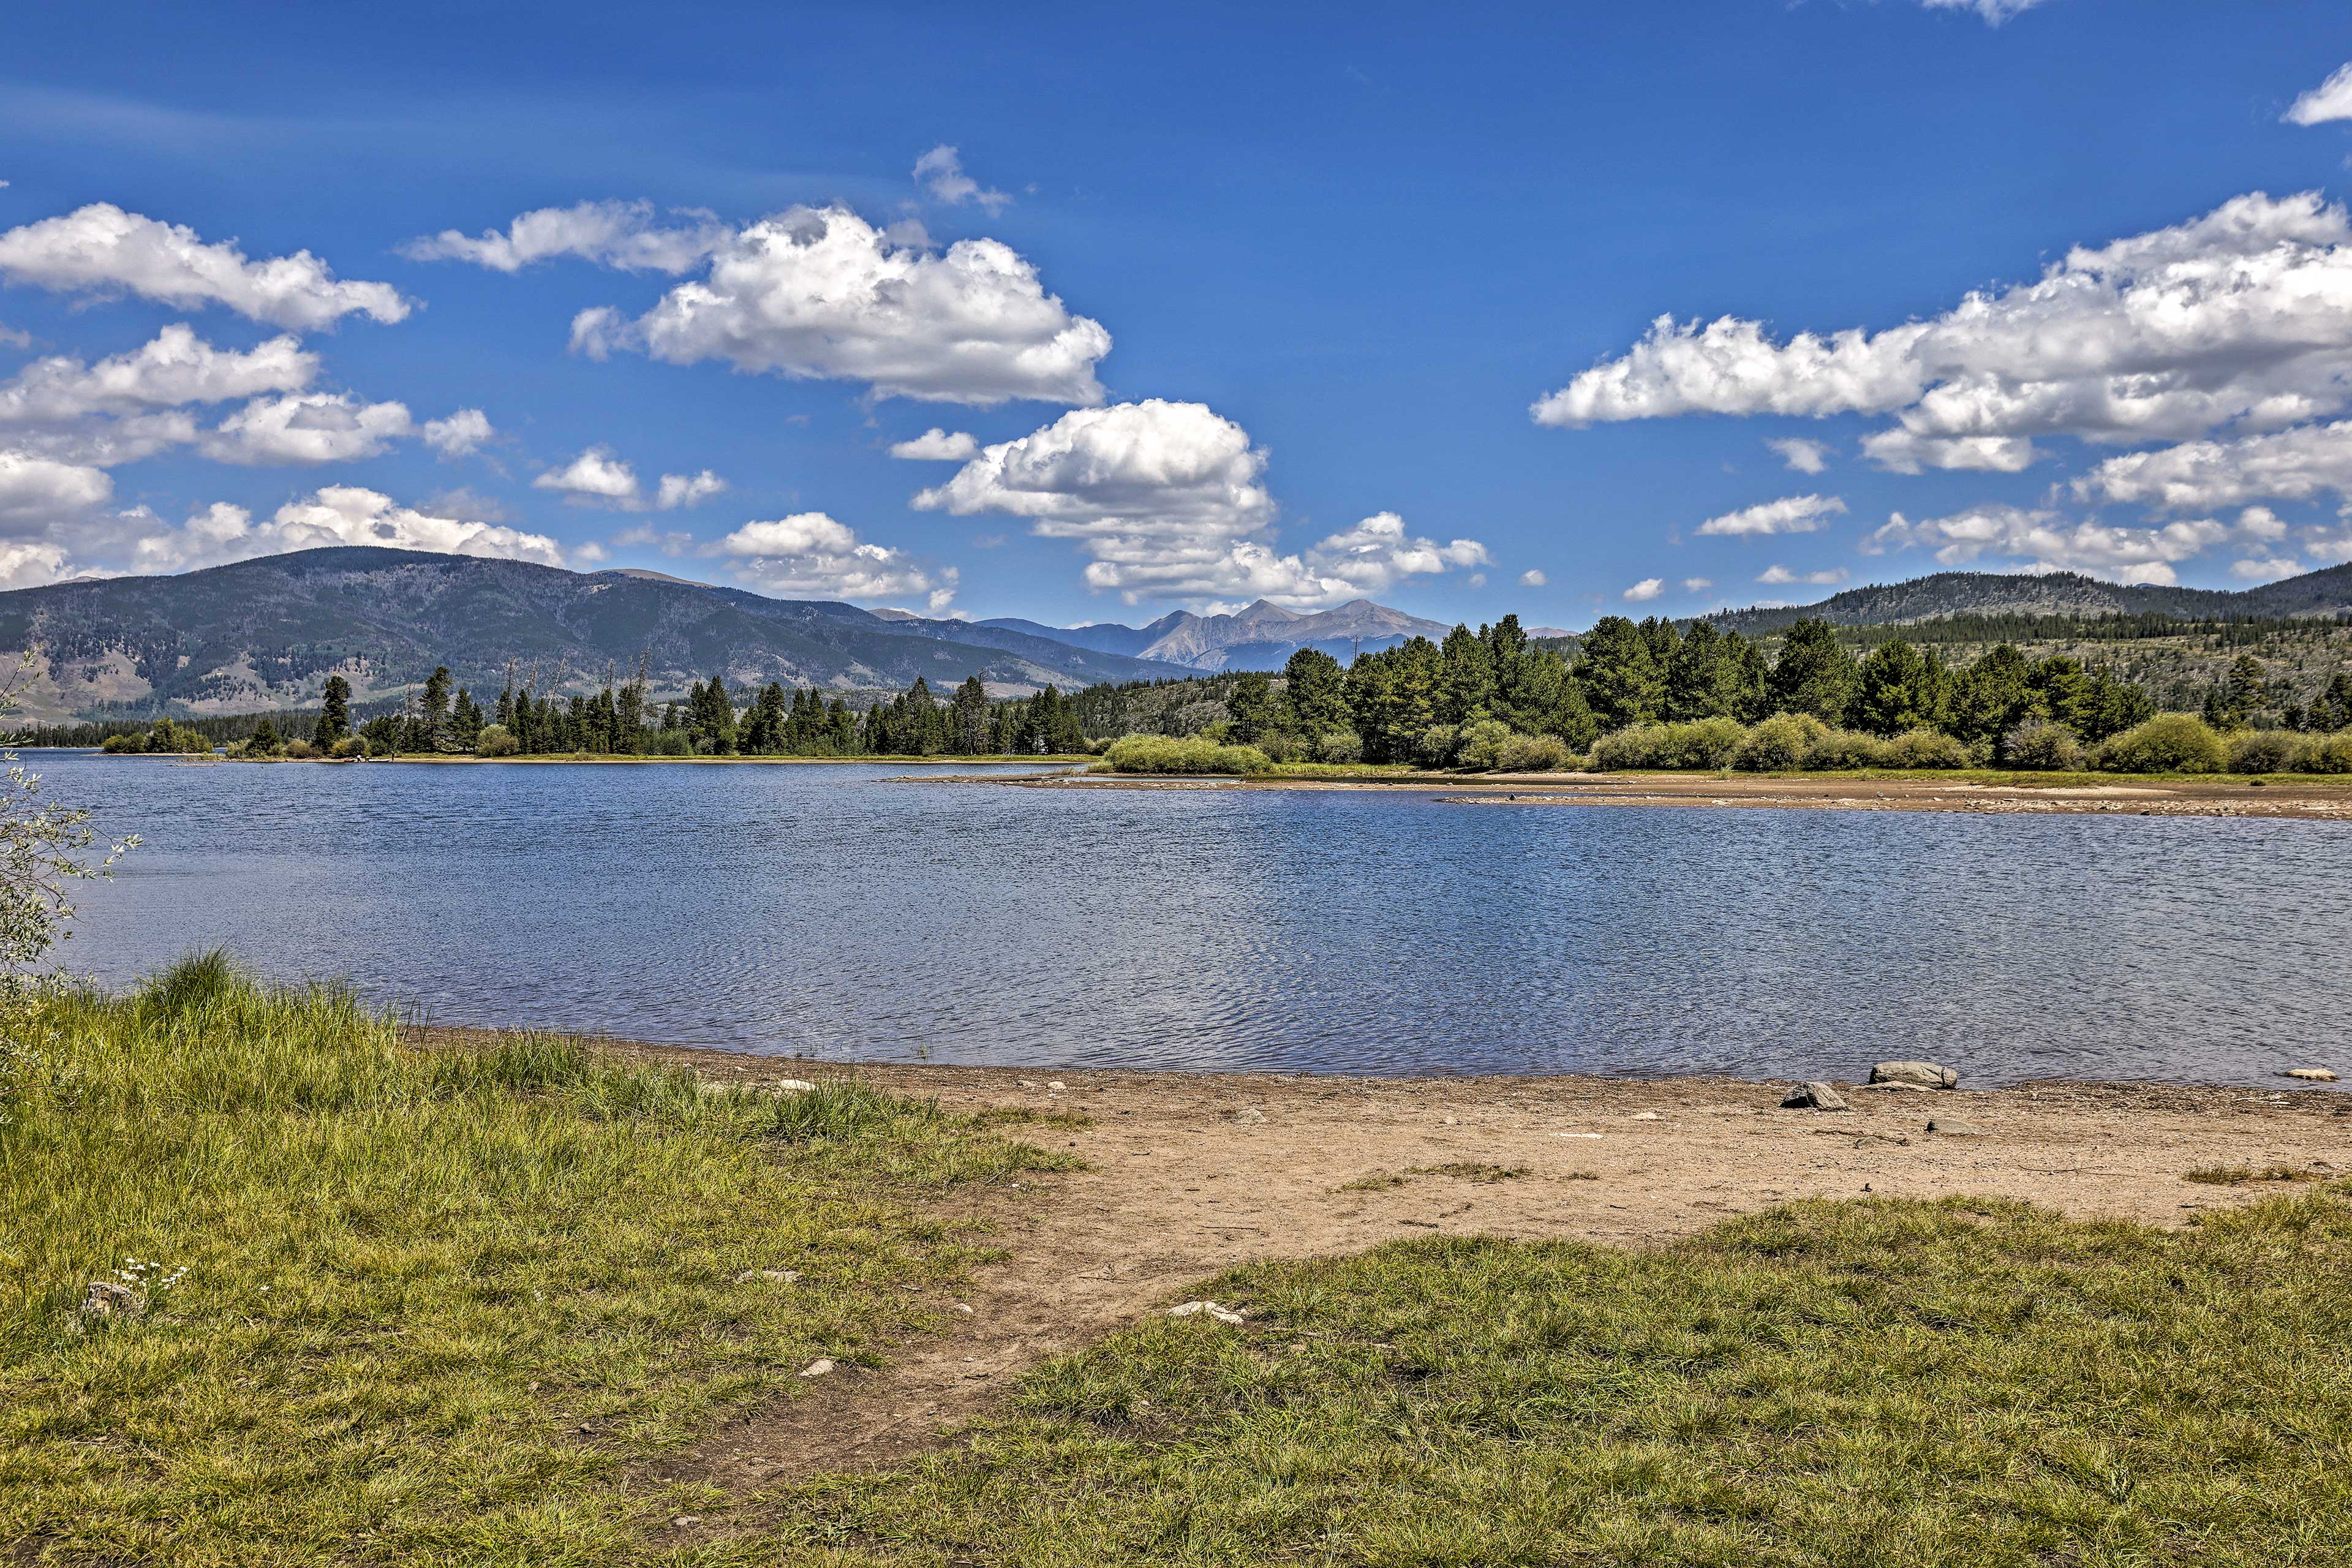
x=2239 y=1176
x=1866 y=1382
x=434 y=1304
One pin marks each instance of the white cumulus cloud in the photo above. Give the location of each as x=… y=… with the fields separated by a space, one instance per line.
x=1793 y=514
x=28 y=564
x=2331 y=99
x=2202 y=476
x=818 y=293
x=104 y=250
x=2042 y=541
x=624 y=235
x=1697 y=585
x=37 y=491
x=938 y=446
x=1532 y=578
x=941 y=172
x=597 y=478
x=1778 y=575
x=133 y=404
x=1648 y=588
x=1167 y=501
x=810 y=554
x=1804 y=456
x=334 y=514
x=465 y=431
x=307 y=428
x=2241 y=318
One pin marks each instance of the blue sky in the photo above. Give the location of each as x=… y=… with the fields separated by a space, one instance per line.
x=1205 y=302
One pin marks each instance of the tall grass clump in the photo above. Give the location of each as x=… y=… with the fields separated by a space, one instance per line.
x=1705 y=743
x=2326 y=754
x=1182 y=754
x=2167 y=744
x=368 y=1302
x=2265 y=751
x=1923 y=749
x=1871 y=1383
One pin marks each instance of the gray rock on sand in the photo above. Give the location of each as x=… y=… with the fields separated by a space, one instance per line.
x=108 y=1299
x=2310 y=1075
x=1923 y=1075
x=1249 y=1115
x=1814 y=1096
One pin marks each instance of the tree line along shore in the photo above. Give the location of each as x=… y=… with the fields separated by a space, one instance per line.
x=1626 y=695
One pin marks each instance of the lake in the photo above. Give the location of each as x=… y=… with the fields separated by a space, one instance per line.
x=817 y=910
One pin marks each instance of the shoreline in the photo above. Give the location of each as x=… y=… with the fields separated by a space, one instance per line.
x=2143 y=795
x=1186 y=1174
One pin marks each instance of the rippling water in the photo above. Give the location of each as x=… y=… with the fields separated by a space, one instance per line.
x=811 y=909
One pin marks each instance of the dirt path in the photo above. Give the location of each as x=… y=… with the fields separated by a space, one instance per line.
x=2302 y=800
x=1191 y=1173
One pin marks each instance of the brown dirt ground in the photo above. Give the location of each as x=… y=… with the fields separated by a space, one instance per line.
x=1191 y=1173
x=2217 y=796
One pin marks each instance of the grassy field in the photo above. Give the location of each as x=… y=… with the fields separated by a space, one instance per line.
x=414 y=1307
x=1864 y=1382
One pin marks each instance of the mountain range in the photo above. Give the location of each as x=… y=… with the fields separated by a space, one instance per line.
x=267 y=633
x=1262 y=637
x=2323 y=593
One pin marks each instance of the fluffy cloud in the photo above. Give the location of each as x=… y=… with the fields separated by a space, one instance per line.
x=1532 y=578
x=29 y=564
x=132 y=406
x=1167 y=501
x=941 y=172
x=1793 y=514
x=821 y=294
x=938 y=446
x=2045 y=542
x=1778 y=575
x=307 y=428
x=1994 y=12
x=2331 y=99
x=1648 y=588
x=810 y=554
x=2241 y=316
x=597 y=478
x=1697 y=585
x=2199 y=476
x=2265 y=569
x=36 y=491
x=465 y=431
x=102 y=249
x=624 y=235
x=336 y=514
x=1804 y=456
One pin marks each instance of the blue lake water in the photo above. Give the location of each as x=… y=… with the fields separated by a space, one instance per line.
x=817 y=910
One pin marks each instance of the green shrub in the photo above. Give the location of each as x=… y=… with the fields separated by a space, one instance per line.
x=1923 y=749
x=1480 y=749
x=1841 y=749
x=299 y=749
x=350 y=746
x=497 y=740
x=2264 y=750
x=2167 y=744
x=1282 y=748
x=1778 y=744
x=2326 y=754
x=1533 y=754
x=1338 y=746
x=1707 y=744
x=120 y=745
x=1167 y=754
x=2040 y=744
x=1437 y=746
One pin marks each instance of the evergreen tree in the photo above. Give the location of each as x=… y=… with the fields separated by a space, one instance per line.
x=1251 y=707
x=1815 y=674
x=1621 y=675
x=1465 y=683
x=718 y=718
x=1900 y=690
x=465 y=721
x=1705 y=678
x=1315 y=696
x=1991 y=696
x=968 y=718
x=334 y=713
x=264 y=741
x=433 y=715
